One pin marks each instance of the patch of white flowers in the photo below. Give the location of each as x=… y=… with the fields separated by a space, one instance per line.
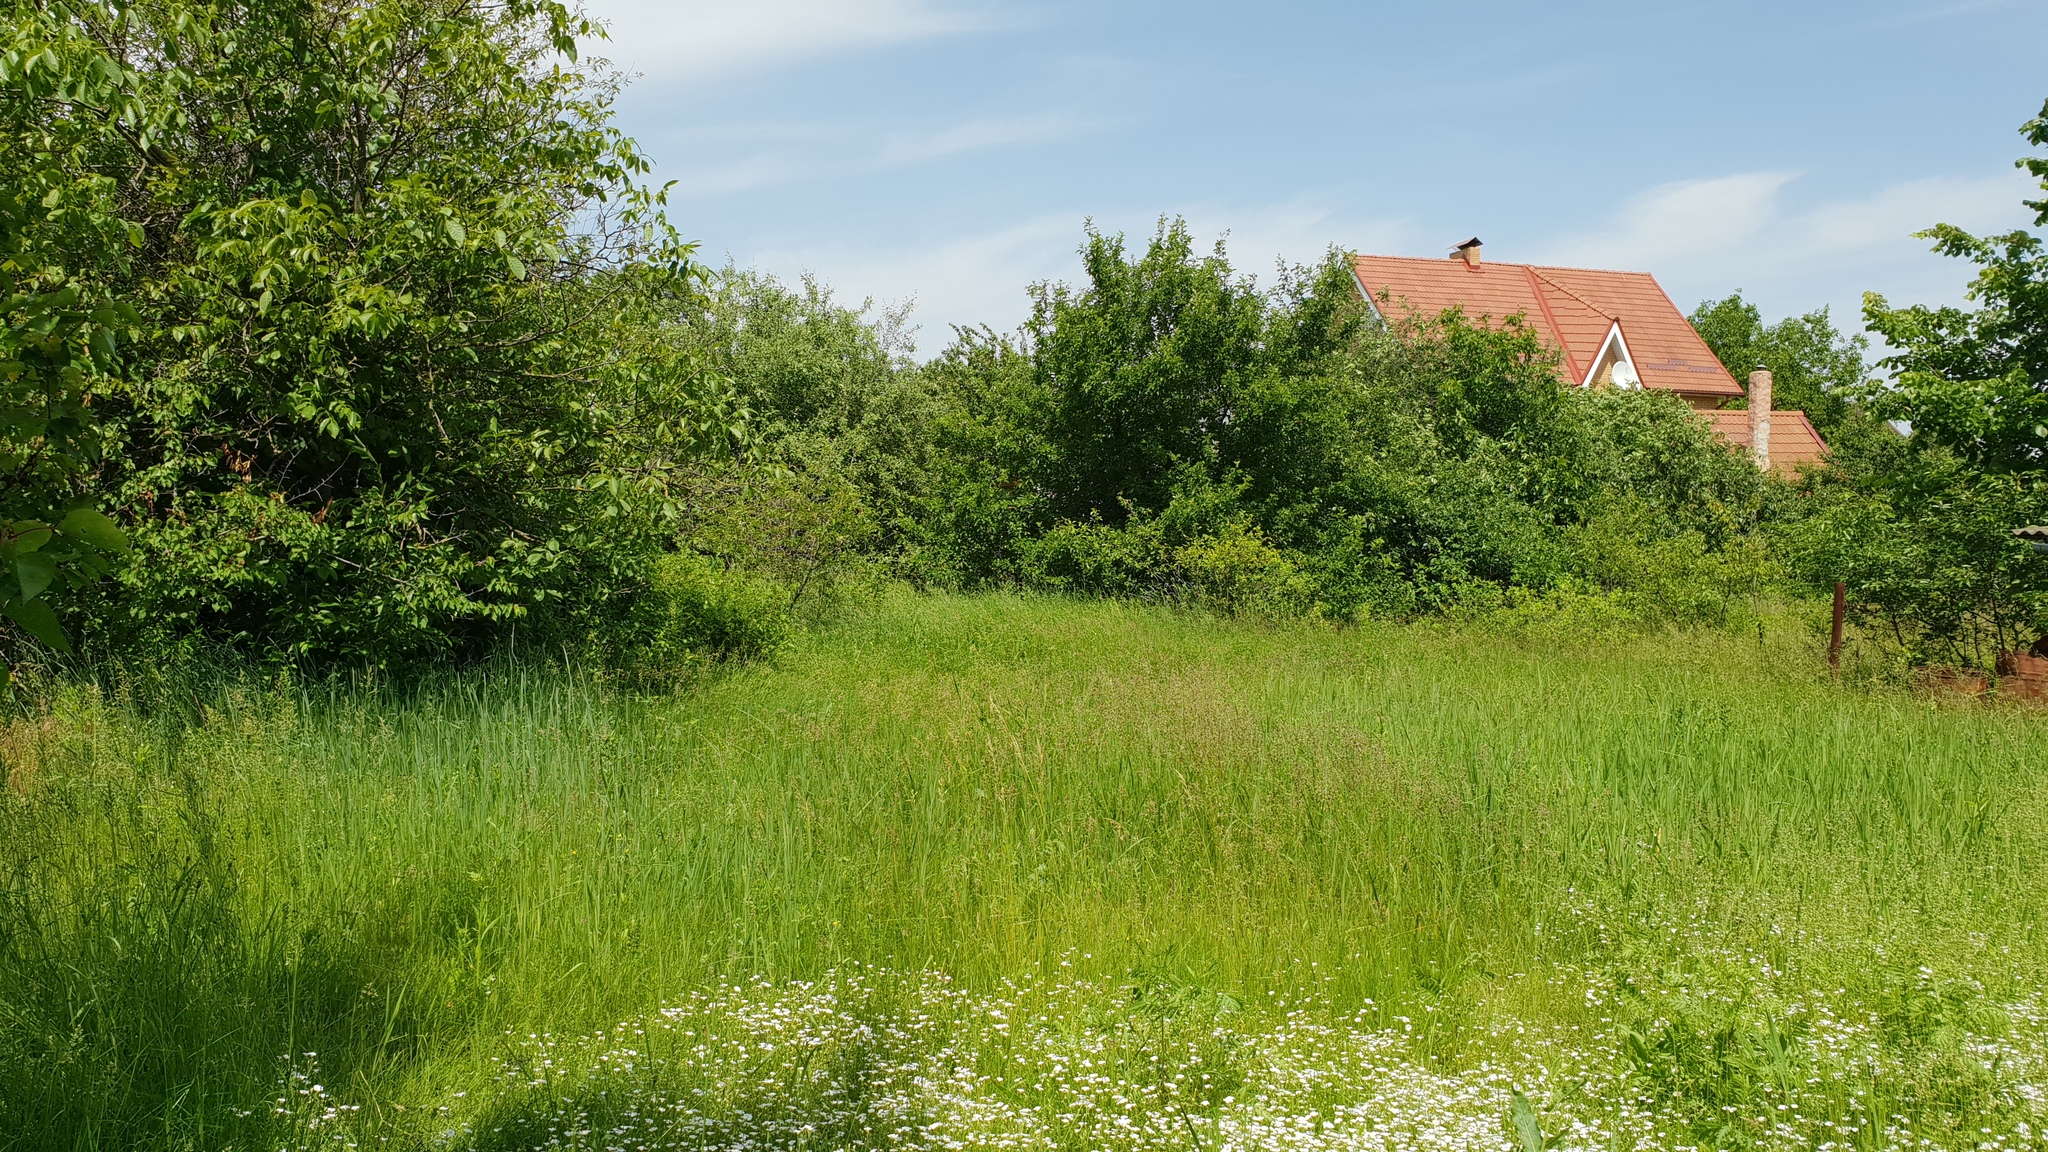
x=872 y=1059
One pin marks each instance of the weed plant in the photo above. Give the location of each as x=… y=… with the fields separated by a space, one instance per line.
x=1020 y=872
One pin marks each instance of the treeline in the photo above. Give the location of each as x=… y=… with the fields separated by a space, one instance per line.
x=355 y=315
x=1170 y=430
x=349 y=332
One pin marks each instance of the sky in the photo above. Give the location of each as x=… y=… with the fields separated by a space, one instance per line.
x=947 y=153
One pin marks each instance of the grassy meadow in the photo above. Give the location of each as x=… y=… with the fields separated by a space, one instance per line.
x=1032 y=873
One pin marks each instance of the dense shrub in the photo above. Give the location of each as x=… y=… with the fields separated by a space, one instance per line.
x=694 y=608
x=432 y=364
x=403 y=365
x=64 y=239
x=1920 y=526
x=1170 y=430
x=1237 y=571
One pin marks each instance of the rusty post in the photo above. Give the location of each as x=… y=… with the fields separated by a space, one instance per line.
x=1835 y=638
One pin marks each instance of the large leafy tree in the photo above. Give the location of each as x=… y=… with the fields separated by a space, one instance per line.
x=1816 y=368
x=1140 y=368
x=1167 y=400
x=1925 y=539
x=1975 y=381
x=64 y=241
x=406 y=366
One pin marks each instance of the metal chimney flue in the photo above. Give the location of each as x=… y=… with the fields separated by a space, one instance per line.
x=1760 y=416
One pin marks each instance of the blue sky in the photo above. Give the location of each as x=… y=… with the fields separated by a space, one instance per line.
x=946 y=152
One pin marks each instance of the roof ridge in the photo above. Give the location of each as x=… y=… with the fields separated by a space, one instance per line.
x=1550 y=319
x=1597 y=310
x=1512 y=264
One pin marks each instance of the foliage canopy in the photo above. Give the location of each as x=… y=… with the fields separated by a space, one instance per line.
x=402 y=362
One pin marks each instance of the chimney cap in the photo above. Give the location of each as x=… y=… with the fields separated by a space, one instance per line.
x=1472 y=243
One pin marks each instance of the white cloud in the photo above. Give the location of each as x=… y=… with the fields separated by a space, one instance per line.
x=974 y=136
x=821 y=152
x=1895 y=213
x=1710 y=237
x=745 y=175
x=1297 y=231
x=1682 y=220
x=967 y=280
x=700 y=39
x=981 y=277
x=1943 y=12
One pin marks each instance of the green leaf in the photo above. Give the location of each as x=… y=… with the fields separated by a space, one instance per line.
x=36 y=619
x=1528 y=1128
x=456 y=232
x=95 y=529
x=29 y=535
x=513 y=266
x=34 y=572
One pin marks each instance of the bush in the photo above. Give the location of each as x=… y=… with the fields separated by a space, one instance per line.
x=1169 y=429
x=1663 y=577
x=1237 y=571
x=409 y=373
x=803 y=529
x=1095 y=559
x=695 y=609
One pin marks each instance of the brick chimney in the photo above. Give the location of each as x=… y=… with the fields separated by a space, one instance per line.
x=1468 y=252
x=1760 y=416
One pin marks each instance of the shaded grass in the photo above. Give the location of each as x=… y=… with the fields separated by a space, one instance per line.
x=1666 y=843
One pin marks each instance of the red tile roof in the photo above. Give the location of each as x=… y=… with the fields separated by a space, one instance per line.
x=1793 y=440
x=1573 y=309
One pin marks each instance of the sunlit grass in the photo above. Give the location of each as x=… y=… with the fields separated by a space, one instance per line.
x=1677 y=890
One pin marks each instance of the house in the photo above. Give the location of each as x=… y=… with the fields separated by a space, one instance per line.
x=1611 y=329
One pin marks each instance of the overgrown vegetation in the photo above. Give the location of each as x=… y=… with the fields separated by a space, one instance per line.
x=1064 y=875
x=400 y=363
x=354 y=318
x=1172 y=432
x=478 y=679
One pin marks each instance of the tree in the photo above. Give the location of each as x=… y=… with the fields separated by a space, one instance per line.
x=1141 y=366
x=1814 y=367
x=408 y=362
x=1976 y=381
x=63 y=240
x=1926 y=538
x=1169 y=409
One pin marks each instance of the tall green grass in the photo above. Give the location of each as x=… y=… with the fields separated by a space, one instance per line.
x=1664 y=848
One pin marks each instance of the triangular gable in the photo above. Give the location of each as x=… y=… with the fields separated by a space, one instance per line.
x=1613 y=351
x=1575 y=310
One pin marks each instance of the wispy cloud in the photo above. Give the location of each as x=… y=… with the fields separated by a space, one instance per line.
x=825 y=151
x=1259 y=237
x=980 y=277
x=976 y=136
x=1681 y=220
x=1941 y=12
x=746 y=174
x=682 y=40
x=967 y=280
x=1709 y=237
